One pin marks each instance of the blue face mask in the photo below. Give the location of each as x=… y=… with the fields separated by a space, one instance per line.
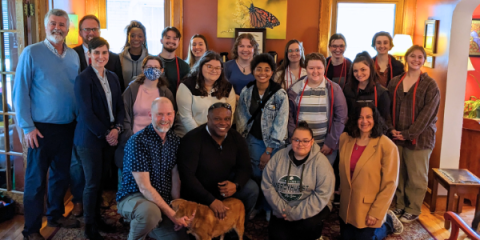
x=152 y=74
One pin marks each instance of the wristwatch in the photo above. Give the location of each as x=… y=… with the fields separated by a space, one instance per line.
x=267 y=152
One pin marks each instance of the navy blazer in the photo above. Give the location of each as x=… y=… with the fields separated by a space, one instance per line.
x=113 y=64
x=93 y=120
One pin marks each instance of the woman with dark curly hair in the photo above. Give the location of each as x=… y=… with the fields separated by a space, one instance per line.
x=263 y=118
x=205 y=85
x=237 y=70
x=368 y=167
x=134 y=51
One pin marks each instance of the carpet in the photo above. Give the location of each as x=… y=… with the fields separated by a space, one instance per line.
x=256 y=229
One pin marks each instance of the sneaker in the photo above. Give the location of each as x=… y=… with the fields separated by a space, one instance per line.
x=408 y=218
x=398 y=212
x=64 y=222
x=336 y=199
x=268 y=215
x=34 y=236
x=397 y=224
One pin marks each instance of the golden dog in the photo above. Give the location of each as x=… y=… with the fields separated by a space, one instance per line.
x=205 y=225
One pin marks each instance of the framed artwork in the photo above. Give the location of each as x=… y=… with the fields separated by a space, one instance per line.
x=72 y=37
x=261 y=14
x=430 y=36
x=258 y=34
x=429 y=61
x=474 y=47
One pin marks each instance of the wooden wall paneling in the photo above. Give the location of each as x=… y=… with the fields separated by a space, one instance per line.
x=99 y=9
x=324 y=28
x=175 y=19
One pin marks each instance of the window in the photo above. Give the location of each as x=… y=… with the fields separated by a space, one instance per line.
x=358 y=22
x=119 y=14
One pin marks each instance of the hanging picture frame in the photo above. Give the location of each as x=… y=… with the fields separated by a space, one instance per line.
x=430 y=36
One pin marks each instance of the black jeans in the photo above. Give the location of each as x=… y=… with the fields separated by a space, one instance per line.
x=93 y=161
x=305 y=229
x=350 y=232
x=54 y=153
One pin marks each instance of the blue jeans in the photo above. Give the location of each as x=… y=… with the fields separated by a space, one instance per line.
x=54 y=153
x=93 y=161
x=256 y=148
x=349 y=231
x=248 y=194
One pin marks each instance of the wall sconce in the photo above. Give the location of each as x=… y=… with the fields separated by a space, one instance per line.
x=401 y=42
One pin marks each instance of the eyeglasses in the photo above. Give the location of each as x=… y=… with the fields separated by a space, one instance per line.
x=293 y=50
x=213 y=69
x=91 y=29
x=298 y=141
x=220 y=105
x=337 y=46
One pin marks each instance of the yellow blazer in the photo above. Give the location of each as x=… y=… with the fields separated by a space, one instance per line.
x=372 y=187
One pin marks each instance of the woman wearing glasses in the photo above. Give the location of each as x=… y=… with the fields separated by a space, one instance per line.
x=298 y=183
x=368 y=167
x=262 y=118
x=204 y=86
x=138 y=98
x=337 y=64
x=293 y=65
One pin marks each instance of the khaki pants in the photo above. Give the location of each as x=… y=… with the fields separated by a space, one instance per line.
x=145 y=218
x=412 y=179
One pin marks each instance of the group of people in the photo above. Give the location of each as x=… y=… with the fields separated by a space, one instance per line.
x=288 y=141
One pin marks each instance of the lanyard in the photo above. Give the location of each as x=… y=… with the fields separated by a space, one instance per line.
x=331 y=104
x=375 y=89
x=389 y=66
x=178 y=71
x=344 y=68
x=414 y=141
x=289 y=76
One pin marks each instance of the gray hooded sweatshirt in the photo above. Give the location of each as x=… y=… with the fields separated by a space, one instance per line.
x=131 y=69
x=302 y=191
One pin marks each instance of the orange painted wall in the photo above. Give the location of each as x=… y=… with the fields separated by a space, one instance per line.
x=72 y=7
x=200 y=17
x=473 y=86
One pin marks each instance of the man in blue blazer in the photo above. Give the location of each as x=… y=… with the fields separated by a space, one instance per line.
x=100 y=120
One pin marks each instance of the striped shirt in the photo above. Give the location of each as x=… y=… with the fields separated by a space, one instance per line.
x=314 y=110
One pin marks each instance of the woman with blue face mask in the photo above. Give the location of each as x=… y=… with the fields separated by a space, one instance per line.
x=138 y=98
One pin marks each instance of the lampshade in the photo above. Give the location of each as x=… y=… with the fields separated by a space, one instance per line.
x=401 y=42
x=470 y=66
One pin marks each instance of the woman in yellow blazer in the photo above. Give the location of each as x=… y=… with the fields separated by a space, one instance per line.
x=368 y=169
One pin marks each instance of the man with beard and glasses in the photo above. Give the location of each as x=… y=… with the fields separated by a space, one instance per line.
x=44 y=100
x=214 y=163
x=175 y=68
x=150 y=178
x=90 y=28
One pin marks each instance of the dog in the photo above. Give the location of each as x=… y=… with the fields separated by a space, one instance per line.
x=204 y=225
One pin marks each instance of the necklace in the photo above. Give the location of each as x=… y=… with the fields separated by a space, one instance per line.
x=241 y=66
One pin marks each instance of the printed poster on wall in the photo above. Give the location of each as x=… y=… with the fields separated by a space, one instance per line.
x=268 y=14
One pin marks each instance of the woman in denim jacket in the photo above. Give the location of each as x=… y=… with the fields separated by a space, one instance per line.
x=262 y=118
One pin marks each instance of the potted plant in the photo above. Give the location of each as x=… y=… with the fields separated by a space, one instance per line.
x=472 y=108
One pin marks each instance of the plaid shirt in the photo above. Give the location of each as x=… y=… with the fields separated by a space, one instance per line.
x=427 y=101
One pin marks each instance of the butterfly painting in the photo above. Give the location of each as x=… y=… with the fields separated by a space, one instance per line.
x=260 y=18
x=266 y=14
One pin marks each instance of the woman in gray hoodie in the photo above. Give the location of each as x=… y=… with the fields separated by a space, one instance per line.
x=134 y=51
x=298 y=183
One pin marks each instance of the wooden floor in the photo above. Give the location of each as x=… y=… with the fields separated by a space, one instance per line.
x=12 y=230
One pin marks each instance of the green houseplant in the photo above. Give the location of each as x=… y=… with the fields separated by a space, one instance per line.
x=472 y=108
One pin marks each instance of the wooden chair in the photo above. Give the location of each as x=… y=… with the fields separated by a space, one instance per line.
x=458 y=223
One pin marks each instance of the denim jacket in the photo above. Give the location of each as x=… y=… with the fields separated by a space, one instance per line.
x=274 y=116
